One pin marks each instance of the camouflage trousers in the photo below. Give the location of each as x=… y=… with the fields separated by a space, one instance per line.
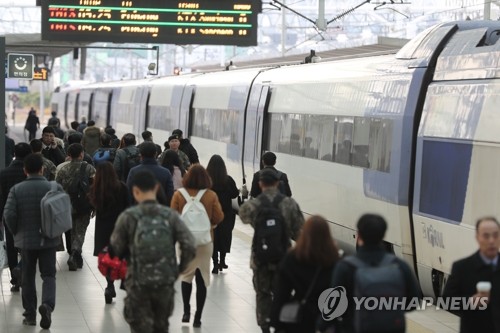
x=80 y=224
x=147 y=311
x=264 y=280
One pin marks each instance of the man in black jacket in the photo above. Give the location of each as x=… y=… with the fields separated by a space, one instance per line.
x=371 y=232
x=50 y=148
x=268 y=162
x=9 y=177
x=187 y=147
x=482 y=266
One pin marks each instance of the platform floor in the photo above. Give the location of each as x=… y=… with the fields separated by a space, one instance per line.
x=230 y=305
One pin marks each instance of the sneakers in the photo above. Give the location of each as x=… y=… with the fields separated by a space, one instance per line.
x=45 y=312
x=29 y=321
x=72 y=265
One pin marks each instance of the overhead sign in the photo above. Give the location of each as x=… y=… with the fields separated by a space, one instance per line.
x=40 y=74
x=20 y=66
x=220 y=22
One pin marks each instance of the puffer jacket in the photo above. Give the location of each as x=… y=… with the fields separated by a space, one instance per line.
x=23 y=216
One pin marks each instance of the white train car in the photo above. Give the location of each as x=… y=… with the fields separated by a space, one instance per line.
x=410 y=136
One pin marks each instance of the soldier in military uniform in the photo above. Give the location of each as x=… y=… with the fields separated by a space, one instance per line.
x=66 y=176
x=147 y=309
x=264 y=274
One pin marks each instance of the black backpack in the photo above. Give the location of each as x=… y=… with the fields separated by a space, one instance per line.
x=270 y=240
x=131 y=161
x=78 y=191
x=385 y=280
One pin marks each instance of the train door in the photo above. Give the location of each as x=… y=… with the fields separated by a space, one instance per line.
x=185 y=118
x=139 y=110
x=255 y=130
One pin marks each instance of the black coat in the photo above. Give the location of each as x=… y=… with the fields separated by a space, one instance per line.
x=255 y=190
x=10 y=176
x=465 y=274
x=223 y=234
x=106 y=218
x=297 y=276
x=188 y=149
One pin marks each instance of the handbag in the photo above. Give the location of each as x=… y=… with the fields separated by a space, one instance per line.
x=293 y=311
x=111 y=267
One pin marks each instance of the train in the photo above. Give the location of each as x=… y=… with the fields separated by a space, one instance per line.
x=413 y=136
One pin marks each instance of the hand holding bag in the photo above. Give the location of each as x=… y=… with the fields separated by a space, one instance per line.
x=292 y=312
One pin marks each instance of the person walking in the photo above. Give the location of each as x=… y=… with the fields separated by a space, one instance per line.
x=22 y=214
x=10 y=176
x=146 y=234
x=32 y=124
x=225 y=188
x=109 y=197
x=268 y=162
x=195 y=180
x=172 y=162
x=288 y=219
x=481 y=266
x=304 y=274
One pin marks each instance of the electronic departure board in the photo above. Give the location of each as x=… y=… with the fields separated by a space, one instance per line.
x=216 y=22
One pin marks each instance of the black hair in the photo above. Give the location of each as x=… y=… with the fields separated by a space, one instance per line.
x=372 y=228
x=147 y=149
x=129 y=139
x=75 y=138
x=48 y=129
x=22 y=149
x=33 y=163
x=90 y=123
x=36 y=145
x=144 y=180
x=216 y=168
x=486 y=218
x=146 y=135
x=269 y=158
x=75 y=149
x=74 y=125
x=105 y=139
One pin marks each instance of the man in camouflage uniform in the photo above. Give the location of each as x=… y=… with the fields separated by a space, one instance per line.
x=264 y=274
x=68 y=174
x=147 y=309
x=49 y=168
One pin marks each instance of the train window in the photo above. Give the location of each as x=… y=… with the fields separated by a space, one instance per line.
x=344 y=140
x=162 y=118
x=360 y=142
x=320 y=137
x=100 y=108
x=379 y=150
x=217 y=125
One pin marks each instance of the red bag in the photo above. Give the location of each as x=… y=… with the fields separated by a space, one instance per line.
x=114 y=268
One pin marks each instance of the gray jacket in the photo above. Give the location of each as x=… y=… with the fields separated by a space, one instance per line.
x=23 y=216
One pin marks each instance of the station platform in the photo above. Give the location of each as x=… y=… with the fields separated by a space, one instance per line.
x=230 y=305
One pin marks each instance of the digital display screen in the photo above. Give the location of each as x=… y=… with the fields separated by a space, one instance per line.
x=209 y=22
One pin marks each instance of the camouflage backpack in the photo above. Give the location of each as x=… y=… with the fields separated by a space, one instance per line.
x=154 y=262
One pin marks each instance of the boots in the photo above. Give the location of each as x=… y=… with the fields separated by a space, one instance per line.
x=72 y=264
x=186 y=289
x=109 y=292
x=222 y=264
x=215 y=260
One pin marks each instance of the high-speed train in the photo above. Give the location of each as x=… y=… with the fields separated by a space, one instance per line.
x=413 y=136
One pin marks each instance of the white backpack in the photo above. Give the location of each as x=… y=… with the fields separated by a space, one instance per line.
x=196 y=218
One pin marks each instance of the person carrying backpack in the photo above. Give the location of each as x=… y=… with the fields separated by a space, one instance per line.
x=276 y=219
x=127 y=157
x=201 y=207
x=76 y=178
x=388 y=275
x=268 y=161
x=146 y=234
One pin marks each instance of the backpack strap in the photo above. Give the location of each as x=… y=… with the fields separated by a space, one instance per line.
x=188 y=198
x=184 y=193
x=200 y=194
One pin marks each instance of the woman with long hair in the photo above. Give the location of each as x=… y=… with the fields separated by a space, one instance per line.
x=195 y=180
x=226 y=190
x=308 y=265
x=109 y=197
x=172 y=162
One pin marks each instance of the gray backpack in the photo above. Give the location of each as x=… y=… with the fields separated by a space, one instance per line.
x=385 y=280
x=55 y=209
